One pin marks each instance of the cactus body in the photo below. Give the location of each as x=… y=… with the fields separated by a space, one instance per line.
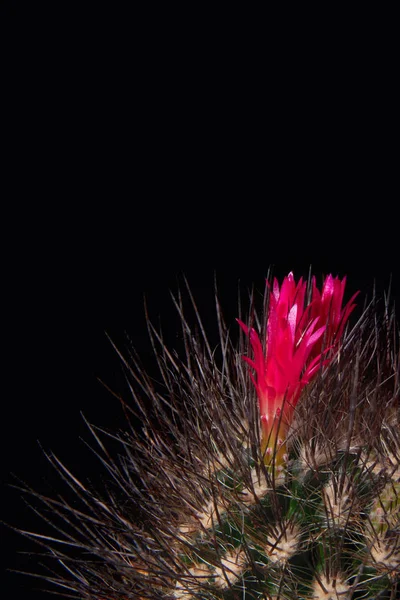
x=201 y=506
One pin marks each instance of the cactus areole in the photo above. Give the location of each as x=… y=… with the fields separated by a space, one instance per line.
x=301 y=339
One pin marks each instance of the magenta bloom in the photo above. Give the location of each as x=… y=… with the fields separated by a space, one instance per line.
x=300 y=339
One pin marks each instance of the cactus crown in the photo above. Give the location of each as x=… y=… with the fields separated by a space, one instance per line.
x=269 y=471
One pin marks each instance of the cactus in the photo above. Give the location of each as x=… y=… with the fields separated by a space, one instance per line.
x=263 y=468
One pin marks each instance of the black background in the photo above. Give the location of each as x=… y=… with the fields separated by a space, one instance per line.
x=130 y=159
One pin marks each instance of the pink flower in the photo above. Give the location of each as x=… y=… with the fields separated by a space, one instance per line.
x=300 y=339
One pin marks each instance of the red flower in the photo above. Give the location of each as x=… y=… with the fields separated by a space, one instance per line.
x=300 y=339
